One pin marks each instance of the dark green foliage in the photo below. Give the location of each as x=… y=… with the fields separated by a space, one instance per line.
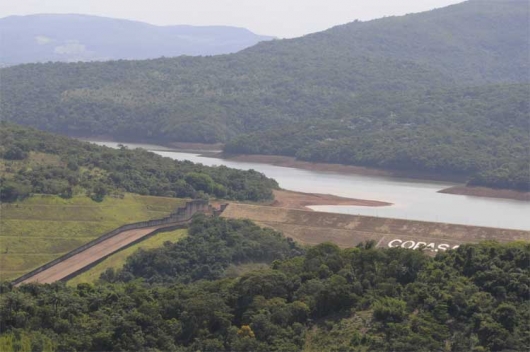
x=15 y=153
x=477 y=133
x=11 y=191
x=474 y=298
x=386 y=93
x=210 y=247
x=101 y=170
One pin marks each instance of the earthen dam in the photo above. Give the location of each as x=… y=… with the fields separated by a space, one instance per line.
x=311 y=227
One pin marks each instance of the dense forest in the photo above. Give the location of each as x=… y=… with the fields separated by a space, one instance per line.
x=474 y=298
x=40 y=162
x=479 y=133
x=442 y=91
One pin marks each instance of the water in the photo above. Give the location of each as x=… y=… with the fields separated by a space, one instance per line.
x=412 y=199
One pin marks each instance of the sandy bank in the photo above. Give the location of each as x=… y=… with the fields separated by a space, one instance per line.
x=289 y=161
x=185 y=146
x=487 y=192
x=299 y=200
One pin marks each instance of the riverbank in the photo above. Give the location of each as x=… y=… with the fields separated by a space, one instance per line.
x=286 y=161
x=212 y=151
x=487 y=192
x=185 y=147
x=289 y=161
x=300 y=200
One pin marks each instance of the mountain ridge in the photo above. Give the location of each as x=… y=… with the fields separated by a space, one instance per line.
x=376 y=75
x=79 y=37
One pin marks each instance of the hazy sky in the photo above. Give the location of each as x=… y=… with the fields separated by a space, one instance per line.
x=281 y=18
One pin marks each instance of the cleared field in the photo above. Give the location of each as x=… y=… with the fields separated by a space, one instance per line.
x=42 y=228
x=118 y=259
x=348 y=230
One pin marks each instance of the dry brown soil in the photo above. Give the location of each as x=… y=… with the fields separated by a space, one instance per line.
x=487 y=192
x=348 y=230
x=300 y=200
x=288 y=161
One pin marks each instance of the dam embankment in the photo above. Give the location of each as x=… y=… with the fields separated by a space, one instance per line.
x=85 y=256
x=310 y=227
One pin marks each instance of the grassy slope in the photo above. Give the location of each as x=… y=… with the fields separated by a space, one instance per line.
x=41 y=228
x=117 y=260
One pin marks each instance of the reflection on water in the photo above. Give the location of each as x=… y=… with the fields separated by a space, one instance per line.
x=412 y=199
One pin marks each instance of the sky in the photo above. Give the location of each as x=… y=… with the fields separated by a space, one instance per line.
x=280 y=18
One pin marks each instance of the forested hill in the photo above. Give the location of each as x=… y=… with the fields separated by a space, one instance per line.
x=479 y=133
x=33 y=161
x=345 y=73
x=71 y=38
x=183 y=297
x=320 y=75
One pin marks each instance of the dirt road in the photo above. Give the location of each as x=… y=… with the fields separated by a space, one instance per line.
x=90 y=255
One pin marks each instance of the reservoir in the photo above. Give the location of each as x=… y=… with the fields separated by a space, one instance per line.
x=412 y=199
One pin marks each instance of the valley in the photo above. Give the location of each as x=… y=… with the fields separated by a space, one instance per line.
x=196 y=187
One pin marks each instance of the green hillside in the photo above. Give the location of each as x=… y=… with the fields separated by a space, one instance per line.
x=179 y=298
x=391 y=67
x=44 y=227
x=33 y=161
x=479 y=133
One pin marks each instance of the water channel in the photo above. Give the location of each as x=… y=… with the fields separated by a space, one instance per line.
x=412 y=199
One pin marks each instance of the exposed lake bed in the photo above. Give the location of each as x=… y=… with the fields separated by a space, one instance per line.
x=411 y=199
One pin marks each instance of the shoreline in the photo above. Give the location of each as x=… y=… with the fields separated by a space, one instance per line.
x=292 y=162
x=485 y=192
x=301 y=200
x=211 y=151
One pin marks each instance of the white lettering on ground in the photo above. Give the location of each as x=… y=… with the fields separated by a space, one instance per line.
x=416 y=245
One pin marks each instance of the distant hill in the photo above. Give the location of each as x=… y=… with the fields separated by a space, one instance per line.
x=47 y=37
x=439 y=91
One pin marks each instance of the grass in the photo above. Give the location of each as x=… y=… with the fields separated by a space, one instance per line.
x=10 y=167
x=118 y=259
x=42 y=228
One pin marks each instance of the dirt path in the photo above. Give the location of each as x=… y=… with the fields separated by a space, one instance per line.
x=90 y=255
x=299 y=200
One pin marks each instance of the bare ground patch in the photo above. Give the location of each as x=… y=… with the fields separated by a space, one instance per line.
x=487 y=192
x=345 y=230
x=300 y=200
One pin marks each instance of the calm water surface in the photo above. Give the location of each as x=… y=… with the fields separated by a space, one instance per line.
x=412 y=199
